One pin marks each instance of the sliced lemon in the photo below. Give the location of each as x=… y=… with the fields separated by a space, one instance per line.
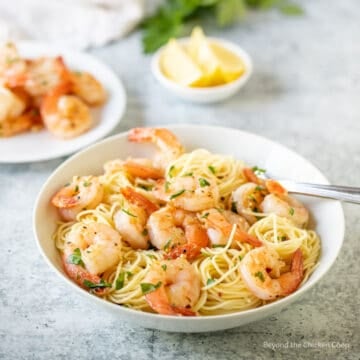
x=177 y=65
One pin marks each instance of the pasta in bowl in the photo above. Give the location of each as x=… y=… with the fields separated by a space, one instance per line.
x=169 y=228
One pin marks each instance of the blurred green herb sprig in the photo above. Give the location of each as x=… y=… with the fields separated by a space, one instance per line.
x=170 y=18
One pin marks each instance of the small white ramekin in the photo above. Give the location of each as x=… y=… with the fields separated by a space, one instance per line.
x=205 y=94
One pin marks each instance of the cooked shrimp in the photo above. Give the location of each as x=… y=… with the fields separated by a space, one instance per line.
x=12 y=67
x=12 y=105
x=261 y=272
x=131 y=219
x=89 y=251
x=172 y=287
x=136 y=167
x=88 y=88
x=247 y=197
x=167 y=143
x=30 y=120
x=219 y=224
x=84 y=192
x=286 y=206
x=177 y=232
x=45 y=74
x=66 y=116
x=191 y=193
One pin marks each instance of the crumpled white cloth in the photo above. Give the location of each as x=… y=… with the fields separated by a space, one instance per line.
x=74 y=23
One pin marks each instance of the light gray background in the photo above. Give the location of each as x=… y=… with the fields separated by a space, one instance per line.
x=305 y=94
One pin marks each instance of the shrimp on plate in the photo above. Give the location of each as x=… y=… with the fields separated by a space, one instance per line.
x=261 y=272
x=169 y=147
x=83 y=193
x=12 y=67
x=177 y=232
x=191 y=193
x=45 y=74
x=66 y=116
x=132 y=218
x=87 y=88
x=219 y=224
x=172 y=287
x=89 y=251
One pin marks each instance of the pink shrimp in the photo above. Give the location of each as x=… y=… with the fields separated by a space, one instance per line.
x=172 y=287
x=260 y=270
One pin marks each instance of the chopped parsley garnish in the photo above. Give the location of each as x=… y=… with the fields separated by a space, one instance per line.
x=75 y=258
x=291 y=211
x=252 y=197
x=76 y=188
x=164 y=267
x=219 y=210
x=147 y=288
x=146 y=187
x=144 y=232
x=203 y=182
x=258 y=171
x=259 y=188
x=212 y=169
x=128 y=212
x=210 y=281
x=205 y=215
x=167 y=245
x=170 y=173
x=151 y=256
x=173 y=196
x=101 y=284
x=188 y=174
x=233 y=207
x=240 y=257
x=260 y=275
x=218 y=245
x=167 y=186
x=86 y=183
x=119 y=284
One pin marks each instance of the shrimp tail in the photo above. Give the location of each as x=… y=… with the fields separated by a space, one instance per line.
x=244 y=237
x=275 y=187
x=142 y=171
x=291 y=281
x=251 y=177
x=196 y=240
x=138 y=199
x=80 y=276
x=158 y=302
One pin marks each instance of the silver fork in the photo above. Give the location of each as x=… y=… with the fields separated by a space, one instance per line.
x=349 y=194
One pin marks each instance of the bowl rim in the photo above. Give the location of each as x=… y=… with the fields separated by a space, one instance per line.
x=265 y=309
x=229 y=45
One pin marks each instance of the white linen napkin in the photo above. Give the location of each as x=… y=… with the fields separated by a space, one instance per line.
x=75 y=23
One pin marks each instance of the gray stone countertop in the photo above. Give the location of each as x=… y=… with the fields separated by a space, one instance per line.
x=305 y=94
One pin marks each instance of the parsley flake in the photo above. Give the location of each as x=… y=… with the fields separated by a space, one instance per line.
x=101 y=284
x=291 y=211
x=173 y=196
x=203 y=182
x=210 y=281
x=75 y=258
x=128 y=212
x=164 y=267
x=260 y=275
x=212 y=169
x=147 y=288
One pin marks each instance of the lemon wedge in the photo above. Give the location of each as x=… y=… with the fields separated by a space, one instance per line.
x=178 y=65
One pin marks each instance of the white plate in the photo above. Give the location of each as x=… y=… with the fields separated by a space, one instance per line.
x=29 y=147
x=277 y=159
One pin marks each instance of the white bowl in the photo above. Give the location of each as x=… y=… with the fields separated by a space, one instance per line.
x=327 y=215
x=206 y=94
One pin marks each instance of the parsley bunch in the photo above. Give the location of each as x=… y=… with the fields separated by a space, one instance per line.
x=169 y=20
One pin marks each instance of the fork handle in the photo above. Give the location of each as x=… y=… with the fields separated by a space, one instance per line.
x=343 y=193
